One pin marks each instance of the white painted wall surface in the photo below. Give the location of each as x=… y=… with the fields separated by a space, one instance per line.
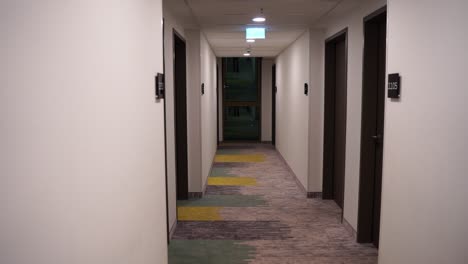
x=208 y=107
x=353 y=21
x=82 y=156
x=292 y=107
x=201 y=110
x=424 y=204
x=316 y=109
x=170 y=24
x=194 y=118
x=267 y=65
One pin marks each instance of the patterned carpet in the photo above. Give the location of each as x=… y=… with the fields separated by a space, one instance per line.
x=254 y=212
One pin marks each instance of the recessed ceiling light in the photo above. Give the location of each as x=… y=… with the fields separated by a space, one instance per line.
x=251 y=40
x=260 y=18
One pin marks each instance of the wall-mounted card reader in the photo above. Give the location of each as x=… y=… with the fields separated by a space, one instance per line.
x=159 y=83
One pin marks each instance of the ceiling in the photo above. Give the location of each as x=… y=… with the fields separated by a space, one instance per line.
x=224 y=22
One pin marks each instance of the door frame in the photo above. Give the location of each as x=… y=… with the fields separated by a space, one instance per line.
x=329 y=115
x=165 y=137
x=366 y=181
x=181 y=180
x=258 y=104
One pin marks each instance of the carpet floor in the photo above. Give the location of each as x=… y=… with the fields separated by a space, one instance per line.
x=253 y=211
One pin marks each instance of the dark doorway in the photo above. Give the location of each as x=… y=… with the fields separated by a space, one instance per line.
x=273 y=106
x=372 y=130
x=217 y=104
x=180 y=110
x=241 y=99
x=335 y=118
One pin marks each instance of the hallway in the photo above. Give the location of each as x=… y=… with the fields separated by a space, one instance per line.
x=118 y=120
x=254 y=212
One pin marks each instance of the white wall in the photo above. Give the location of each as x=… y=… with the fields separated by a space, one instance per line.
x=194 y=143
x=424 y=203
x=316 y=109
x=353 y=20
x=267 y=65
x=208 y=107
x=292 y=107
x=82 y=156
x=170 y=24
x=201 y=109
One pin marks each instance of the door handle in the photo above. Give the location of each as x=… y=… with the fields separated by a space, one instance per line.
x=377 y=138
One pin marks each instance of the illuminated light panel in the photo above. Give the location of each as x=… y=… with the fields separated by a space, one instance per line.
x=255 y=33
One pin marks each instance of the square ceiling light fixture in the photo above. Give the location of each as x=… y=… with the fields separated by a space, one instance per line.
x=255 y=33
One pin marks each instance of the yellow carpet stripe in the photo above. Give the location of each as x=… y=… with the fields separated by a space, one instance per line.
x=240 y=158
x=232 y=181
x=199 y=214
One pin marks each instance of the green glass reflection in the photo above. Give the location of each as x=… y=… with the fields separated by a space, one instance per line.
x=241 y=96
x=240 y=80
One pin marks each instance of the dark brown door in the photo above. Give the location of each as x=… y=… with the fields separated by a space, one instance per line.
x=340 y=123
x=373 y=104
x=217 y=104
x=335 y=118
x=180 y=108
x=273 y=106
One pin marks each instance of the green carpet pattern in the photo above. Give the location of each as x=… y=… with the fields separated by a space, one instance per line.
x=225 y=201
x=221 y=172
x=209 y=251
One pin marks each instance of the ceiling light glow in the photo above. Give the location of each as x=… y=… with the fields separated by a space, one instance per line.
x=259 y=19
x=251 y=40
x=246 y=54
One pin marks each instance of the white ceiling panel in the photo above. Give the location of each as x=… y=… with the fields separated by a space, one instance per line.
x=224 y=22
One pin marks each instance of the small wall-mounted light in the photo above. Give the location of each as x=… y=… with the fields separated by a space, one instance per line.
x=251 y=40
